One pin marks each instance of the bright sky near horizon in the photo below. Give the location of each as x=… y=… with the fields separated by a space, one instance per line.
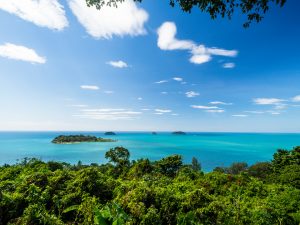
x=147 y=67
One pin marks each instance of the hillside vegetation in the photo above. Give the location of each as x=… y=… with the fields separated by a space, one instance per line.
x=144 y=192
x=69 y=139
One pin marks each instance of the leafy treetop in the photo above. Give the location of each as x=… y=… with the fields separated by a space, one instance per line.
x=253 y=9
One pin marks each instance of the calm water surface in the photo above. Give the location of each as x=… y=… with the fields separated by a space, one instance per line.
x=212 y=149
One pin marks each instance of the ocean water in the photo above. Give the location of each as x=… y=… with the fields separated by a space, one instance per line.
x=211 y=149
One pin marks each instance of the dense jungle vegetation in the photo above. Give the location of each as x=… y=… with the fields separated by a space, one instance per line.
x=144 y=192
x=69 y=139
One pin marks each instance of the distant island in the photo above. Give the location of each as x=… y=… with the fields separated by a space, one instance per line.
x=70 y=139
x=109 y=133
x=179 y=133
x=154 y=133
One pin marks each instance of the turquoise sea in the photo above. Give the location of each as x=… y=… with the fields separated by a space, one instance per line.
x=212 y=149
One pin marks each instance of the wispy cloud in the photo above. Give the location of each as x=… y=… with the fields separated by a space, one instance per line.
x=240 y=115
x=280 y=106
x=222 y=52
x=140 y=98
x=268 y=101
x=164 y=92
x=204 y=107
x=126 y=19
x=296 y=98
x=104 y=110
x=228 y=65
x=163 y=110
x=202 y=54
x=108 y=114
x=89 y=87
x=215 y=110
x=275 y=113
x=199 y=53
x=18 y=52
x=161 y=81
x=220 y=103
x=255 y=112
x=118 y=64
x=45 y=13
x=177 y=78
x=191 y=94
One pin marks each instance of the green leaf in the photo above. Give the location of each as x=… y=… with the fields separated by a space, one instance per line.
x=71 y=208
x=99 y=219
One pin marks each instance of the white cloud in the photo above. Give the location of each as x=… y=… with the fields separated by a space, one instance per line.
x=126 y=19
x=268 y=101
x=43 y=13
x=166 y=38
x=177 y=78
x=228 y=65
x=103 y=110
x=280 y=106
x=89 y=87
x=204 y=107
x=255 y=112
x=175 y=114
x=200 y=54
x=19 y=52
x=158 y=113
x=108 y=114
x=264 y=112
x=140 y=98
x=275 y=113
x=161 y=81
x=240 y=115
x=215 y=110
x=222 y=52
x=220 y=103
x=164 y=92
x=200 y=59
x=296 y=98
x=118 y=64
x=191 y=94
x=145 y=109
x=109 y=92
x=163 y=110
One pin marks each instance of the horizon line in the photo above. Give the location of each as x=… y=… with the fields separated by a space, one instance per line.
x=162 y=131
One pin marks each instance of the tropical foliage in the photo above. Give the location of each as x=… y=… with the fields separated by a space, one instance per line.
x=253 y=9
x=66 y=139
x=144 y=192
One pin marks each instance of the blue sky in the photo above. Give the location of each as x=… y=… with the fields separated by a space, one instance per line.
x=65 y=67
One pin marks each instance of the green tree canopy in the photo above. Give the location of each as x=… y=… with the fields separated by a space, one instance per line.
x=253 y=9
x=118 y=155
x=170 y=165
x=196 y=165
x=163 y=192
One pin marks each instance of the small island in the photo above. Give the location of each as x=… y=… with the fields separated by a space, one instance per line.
x=71 y=139
x=154 y=133
x=179 y=133
x=109 y=133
